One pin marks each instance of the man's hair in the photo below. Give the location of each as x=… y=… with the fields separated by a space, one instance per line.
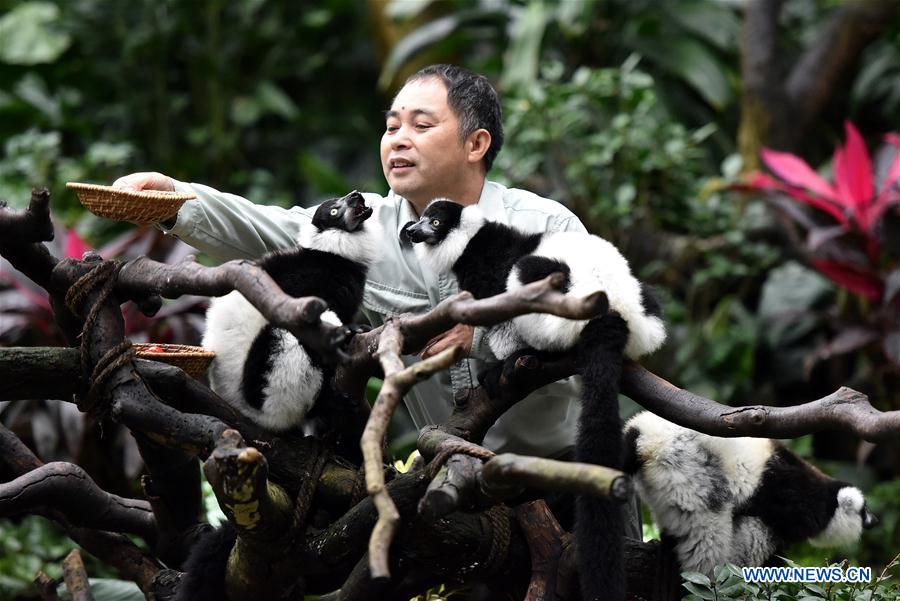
x=474 y=101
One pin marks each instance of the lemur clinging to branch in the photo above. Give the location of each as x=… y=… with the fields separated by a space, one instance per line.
x=489 y=258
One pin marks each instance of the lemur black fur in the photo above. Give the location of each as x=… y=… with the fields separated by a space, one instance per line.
x=737 y=500
x=489 y=258
x=263 y=370
x=206 y=564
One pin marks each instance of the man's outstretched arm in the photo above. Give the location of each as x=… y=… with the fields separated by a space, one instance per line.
x=225 y=226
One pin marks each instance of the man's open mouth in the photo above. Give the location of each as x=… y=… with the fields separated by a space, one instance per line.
x=401 y=164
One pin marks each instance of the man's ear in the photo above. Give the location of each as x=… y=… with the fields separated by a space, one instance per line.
x=477 y=145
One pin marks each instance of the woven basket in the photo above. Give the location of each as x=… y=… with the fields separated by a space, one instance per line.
x=146 y=206
x=193 y=360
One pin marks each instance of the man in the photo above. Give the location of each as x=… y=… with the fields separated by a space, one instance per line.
x=441 y=136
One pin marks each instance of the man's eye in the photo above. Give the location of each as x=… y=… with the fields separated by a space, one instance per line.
x=423 y=126
x=435 y=222
x=334 y=212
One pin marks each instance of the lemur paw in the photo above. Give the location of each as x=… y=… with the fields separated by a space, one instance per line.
x=610 y=331
x=490 y=379
x=359 y=328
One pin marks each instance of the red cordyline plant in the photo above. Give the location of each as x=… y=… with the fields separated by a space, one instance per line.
x=852 y=233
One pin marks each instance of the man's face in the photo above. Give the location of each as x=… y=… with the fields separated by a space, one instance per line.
x=421 y=153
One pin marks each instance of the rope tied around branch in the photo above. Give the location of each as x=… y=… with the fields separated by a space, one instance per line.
x=499 y=517
x=457 y=447
x=102 y=275
x=304 y=498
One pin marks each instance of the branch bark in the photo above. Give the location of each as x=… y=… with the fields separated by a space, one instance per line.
x=28 y=225
x=843 y=409
x=76 y=578
x=67 y=488
x=397 y=382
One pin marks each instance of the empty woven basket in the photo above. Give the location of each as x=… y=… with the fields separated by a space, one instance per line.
x=146 y=206
x=193 y=360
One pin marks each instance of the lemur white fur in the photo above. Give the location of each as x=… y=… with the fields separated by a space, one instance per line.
x=233 y=323
x=595 y=265
x=698 y=488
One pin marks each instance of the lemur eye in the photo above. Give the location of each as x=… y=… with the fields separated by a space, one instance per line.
x=435 y=222
x=334 y=212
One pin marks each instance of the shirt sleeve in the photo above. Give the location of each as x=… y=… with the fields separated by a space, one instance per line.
x=227 y=226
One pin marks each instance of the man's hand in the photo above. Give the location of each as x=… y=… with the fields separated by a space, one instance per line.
x=145 y=180
x=460 y=334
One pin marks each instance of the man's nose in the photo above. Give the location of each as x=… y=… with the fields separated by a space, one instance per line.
x=400 y=139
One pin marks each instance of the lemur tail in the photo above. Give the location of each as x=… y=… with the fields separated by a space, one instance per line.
x=206 y=566
x=599 y=527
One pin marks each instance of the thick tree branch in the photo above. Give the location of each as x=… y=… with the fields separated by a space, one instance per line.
x=844 y=409
x=300 y=316
x=67 y=488
x=117 y=550
x=509 y=469
x=29 y=225
x=544 y=538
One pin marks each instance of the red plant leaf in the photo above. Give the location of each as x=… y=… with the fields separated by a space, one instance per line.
x=75 y=245
x=761 y=182
x=852 y=278
x=797 y=172
x=853 y=175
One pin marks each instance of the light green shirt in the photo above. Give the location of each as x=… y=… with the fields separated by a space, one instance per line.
x=228 y=227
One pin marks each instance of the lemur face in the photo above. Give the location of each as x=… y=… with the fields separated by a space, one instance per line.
x=438 y=220
x=346 y=213
x=850 y=517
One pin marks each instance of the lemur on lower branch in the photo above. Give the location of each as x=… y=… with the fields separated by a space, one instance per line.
x=736 y=500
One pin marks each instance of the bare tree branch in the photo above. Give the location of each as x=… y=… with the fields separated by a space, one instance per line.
x=131 y=562
x=844 y=409
x=76 y=578
x=29 y=225
x=397 y=382
x=544 y=538
x=299 y=316
x=68 y=489
x=548 y=474
x=46 y=586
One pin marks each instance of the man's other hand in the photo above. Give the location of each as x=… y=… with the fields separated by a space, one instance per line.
x=460 y=334
x=145 y=180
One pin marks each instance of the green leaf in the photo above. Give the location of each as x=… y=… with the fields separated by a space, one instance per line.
x=28 y=35
x=697 y=578
x=703 y=593
x=272 y=98
x=406 y=9
x=713 y=22
x=520 y=63
x=694 y=63
x=428 y=35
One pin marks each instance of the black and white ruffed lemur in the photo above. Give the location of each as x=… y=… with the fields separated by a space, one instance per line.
x=737 y=500
x=263 y=370
x=489 y=258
